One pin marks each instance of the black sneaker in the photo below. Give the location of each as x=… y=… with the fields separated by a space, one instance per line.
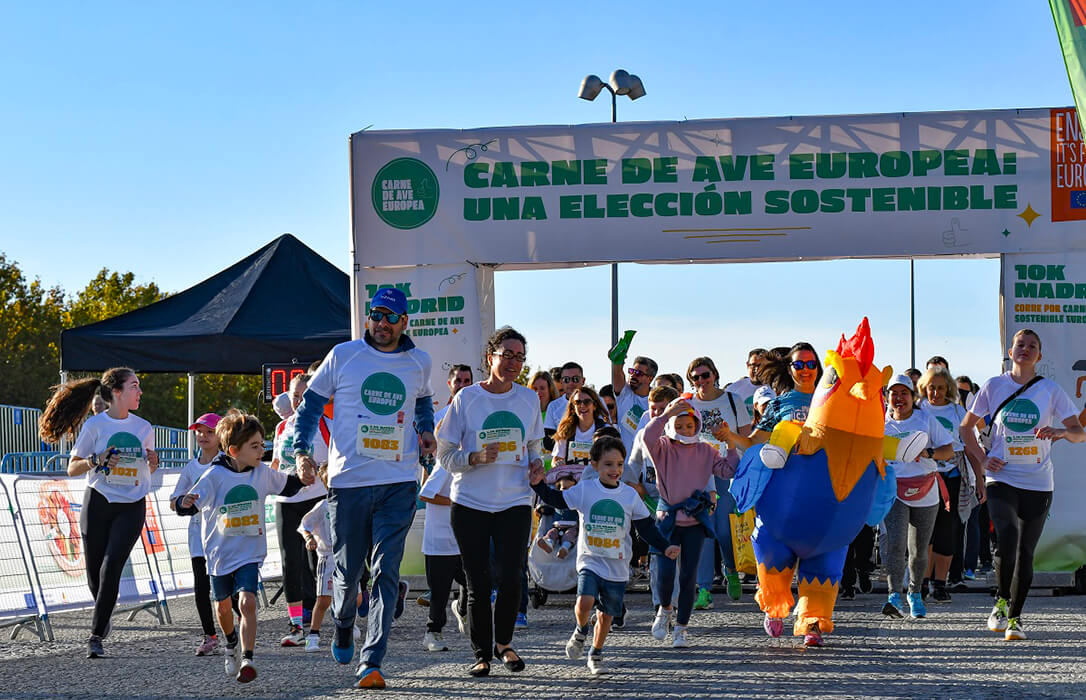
x=94 y=647
x=620 y=621
x=847 y=594
x=940 y=595
x=864 y=579
x=400 y=598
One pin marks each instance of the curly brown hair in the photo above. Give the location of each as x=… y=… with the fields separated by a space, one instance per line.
x=70 y=402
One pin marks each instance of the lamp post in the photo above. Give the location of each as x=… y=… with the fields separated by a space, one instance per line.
x=621 y=83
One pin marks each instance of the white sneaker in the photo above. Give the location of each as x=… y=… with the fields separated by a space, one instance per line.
x=575 y=646
x=595 y=664
x=312 y=643
x=1015 y=630
x=662 y=624
x=461 y=619
x=246 y=671
x=432 y=642
x=997 y=620
x=296 y=638
x=230 y=661
x=678 y=637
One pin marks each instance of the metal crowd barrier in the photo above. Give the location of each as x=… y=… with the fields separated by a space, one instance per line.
x=19 y=429
x=21 y=462
x=20 y=605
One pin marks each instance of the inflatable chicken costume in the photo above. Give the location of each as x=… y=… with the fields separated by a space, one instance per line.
x=814 y=484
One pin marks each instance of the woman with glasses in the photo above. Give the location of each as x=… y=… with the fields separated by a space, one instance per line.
x=489 y=437
x=585 y=413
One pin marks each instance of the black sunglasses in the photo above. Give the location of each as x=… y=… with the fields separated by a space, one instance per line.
x=699 y=377
x=809 y=364
x=391 y=317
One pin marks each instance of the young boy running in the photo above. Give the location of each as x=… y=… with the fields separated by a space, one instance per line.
x=230 y=498
x=607 y=507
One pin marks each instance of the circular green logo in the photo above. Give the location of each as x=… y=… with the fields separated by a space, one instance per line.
x=127 y=445
x=499 y=420
x=383 y=393
x=945 y=423
x=405 y=193
x=1021 y=416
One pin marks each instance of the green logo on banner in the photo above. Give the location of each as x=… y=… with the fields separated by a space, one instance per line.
x=128 y=446
x=383 y=393
x=405 y=193
x=1021 y=416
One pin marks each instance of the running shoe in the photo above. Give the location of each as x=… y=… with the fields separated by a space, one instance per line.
x=958 y=586
x=894 y=606
x=404 y=588
x=575 y=645
x=296 y=638
x=343 y=645
x=432 y=641
x=735 y=588
x=94 y=647
x=230 y=661
x=545 y=544
x=678 y=637
x=813 y=638
x=662 y=624
x=969 y=575
x=370 y=677
x=312 y=643
x=916 y=606
x=1015 y=630
x=940 y=595
x=522 y=622
x=619 y=622
x=461 y=618
x=595 y=663
x=246 y=671
x=423 y=599
x=847 y=593
x=704 y=600
x=997 y=619
x=864 y=581
x=773 y=626
x=208 y=646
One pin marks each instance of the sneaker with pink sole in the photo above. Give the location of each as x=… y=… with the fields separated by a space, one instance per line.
x=774 y=626
x=813 y=638
x=208 y=646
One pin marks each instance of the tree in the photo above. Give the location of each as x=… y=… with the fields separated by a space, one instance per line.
x=31 y=317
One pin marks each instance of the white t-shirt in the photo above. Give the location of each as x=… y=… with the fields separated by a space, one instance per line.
x=232 y=515
x=1029 y=462
x=373 y=438
x=437 y=535
x=318 y=522
x=579 y=446
x=717 y=411
x=283 y=450
x=555 y=410
x=132 y=436
x=606 y=517
x=920 y=421
x=950 y=416
x=744 y=388
x=190 y=474
x=630 y=408
x=477 y=417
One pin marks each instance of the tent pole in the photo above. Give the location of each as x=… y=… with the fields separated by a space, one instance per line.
x=62 y=446
x=192 y=412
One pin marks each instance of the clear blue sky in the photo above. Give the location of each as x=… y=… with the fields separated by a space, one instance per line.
x=173 y=139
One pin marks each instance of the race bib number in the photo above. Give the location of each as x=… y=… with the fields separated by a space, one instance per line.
x=580 y=452
x=383 y=442
x=605 y=530
x=241 y=519
x=125 y=475
x=633 y=418
x=1023 y=449
x=510 y=443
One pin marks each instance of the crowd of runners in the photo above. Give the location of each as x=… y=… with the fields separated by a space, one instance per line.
x=628 y=481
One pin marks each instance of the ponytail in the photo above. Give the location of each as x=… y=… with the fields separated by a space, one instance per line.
x=70 y=402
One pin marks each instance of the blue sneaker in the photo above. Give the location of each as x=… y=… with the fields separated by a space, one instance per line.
x=916 y=606
x=522 y=622
x=493 y=595
x=343 y=645
x=893 y=607
x=969 y=575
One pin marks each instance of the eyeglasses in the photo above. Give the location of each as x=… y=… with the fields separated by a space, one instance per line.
x=572 y=380
x=634 y=372
x=584 y=402
x=392 y=318
x=699 y=377
x=800 y=364
x=518 y=357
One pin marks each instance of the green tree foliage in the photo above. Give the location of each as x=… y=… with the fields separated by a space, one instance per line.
x=31 y=317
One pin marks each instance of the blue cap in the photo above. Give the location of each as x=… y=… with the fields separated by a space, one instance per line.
x=390 y=298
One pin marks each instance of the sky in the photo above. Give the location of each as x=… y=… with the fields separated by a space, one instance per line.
x=173 y=139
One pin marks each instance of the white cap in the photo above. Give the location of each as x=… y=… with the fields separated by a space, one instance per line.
x=904 y=380
x=763 y=394
x=281 y=405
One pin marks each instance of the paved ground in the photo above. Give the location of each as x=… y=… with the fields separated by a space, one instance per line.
x=950 y=654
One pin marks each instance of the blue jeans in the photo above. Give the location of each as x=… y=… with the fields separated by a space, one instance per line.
x=369 y=526
x=690 y=538
x=722 y=524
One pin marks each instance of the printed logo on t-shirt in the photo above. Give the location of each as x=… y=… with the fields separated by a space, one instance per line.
x=945 y=423
x=749 y=403
x=633 y=417
x=1021 y=415
x=240 y=512
x=383 y=393
x=287 y=463
x=605 y=529
x=130 y=450
x=506 y=429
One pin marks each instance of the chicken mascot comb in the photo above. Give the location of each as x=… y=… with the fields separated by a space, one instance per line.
x=814 y=484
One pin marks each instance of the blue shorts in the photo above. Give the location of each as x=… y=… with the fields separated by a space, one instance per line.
x=608 y=594
x=246 y=578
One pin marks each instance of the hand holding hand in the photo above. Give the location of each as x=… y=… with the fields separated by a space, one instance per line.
x=672 y=552
x=304 y=462
x=306 y=471
x=722 y=432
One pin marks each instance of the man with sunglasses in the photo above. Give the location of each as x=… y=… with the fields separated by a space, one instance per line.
x=745 y=387
x=570 y=379
x=631 y=387
x=384 y=419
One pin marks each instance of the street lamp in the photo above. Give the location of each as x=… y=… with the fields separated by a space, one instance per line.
x=621 y=83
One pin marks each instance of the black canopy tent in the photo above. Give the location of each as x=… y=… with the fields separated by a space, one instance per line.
x=280 y=303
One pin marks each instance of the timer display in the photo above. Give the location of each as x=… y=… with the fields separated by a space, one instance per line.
x=277 y=378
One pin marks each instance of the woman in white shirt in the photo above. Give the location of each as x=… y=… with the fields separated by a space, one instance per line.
x=1018 y=468
x=115 y=450
x=585 y=413
x=487 y=440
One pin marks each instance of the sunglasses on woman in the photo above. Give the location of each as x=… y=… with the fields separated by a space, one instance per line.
x=699 y=377
x=584 y=402
x=800 y=364
x=391 y=317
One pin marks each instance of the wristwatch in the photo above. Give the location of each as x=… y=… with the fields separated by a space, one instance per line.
x=929 y=452
x=93 y=459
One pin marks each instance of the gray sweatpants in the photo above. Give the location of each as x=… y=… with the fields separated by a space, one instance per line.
x=911 y=526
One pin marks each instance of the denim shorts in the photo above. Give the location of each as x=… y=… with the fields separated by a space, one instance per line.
x=608 y=594
x=246 y=578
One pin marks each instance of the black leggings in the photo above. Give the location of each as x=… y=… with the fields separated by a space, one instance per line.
x=201 y=582
x=1019 y=517
x=474 y=530
x=947 y=534
x=441 y=571
x=858 y=557
x=110 y=530
x=299 y=563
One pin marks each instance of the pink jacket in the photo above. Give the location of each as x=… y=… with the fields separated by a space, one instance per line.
x=683 y=469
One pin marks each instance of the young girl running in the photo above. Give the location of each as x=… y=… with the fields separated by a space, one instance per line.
x=115 y=450
x=230 y=498
x=208 y=442
x=316 y=530
x=607 y=507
